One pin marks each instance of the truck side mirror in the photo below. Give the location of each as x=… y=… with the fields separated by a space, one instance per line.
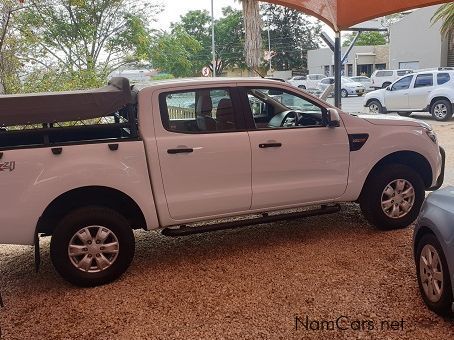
x=332 y=118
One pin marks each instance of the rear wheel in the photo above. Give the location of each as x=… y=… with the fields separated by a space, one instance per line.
x=441 y=110
x=375 y=107
x=302 y=87
x=344 y=93
x=392 y=197
x=433 y=275
x=92 y=246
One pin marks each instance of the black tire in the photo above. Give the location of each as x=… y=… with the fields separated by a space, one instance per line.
x=344 y=93
x=385 y=85
x=360 y=94
x=443 y=115
x=404 y=114
x=92 y=217
x=374 y=105
x=302 y=87
x=443 y=305
x=373 y=191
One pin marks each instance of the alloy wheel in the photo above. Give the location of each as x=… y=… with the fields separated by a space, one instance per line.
x=431 y=273
x=440 y=111
x=398 y=198
x=93 y=249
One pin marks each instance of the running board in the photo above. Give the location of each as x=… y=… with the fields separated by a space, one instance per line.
x=185 y=230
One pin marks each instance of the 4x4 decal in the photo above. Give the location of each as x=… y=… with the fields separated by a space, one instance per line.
x=7 y=166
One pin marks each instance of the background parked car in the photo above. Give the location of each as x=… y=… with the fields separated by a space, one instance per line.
x=349 y=87
x=383 y=78
x=433 y=242
x=419 y=92
x=134 y=76
x=366 y=81
x=307 y=82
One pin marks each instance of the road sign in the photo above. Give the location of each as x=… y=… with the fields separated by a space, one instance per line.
x=206 y=71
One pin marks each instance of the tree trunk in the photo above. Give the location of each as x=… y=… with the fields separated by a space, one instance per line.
x=253 y=30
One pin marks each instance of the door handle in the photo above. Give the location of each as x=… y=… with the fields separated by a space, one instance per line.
x=175 y=151
x=270 y=145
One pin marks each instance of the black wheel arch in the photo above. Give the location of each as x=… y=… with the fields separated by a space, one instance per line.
x=90 y=196
x=419 y=235
x=432 y=102
x=412 y=159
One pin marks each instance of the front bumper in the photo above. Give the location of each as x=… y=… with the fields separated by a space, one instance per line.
x=441 y=178
x=356 y=90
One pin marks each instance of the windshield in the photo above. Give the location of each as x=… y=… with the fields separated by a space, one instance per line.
x=347 y=80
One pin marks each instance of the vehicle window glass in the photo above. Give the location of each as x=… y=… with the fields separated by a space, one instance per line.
x=384 y=74
x=403 y=72
x=274 y=108
x=443 y=78
x=402 y=84
x=424 y=80
x=199 y=111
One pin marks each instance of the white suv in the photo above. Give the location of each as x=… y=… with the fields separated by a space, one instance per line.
x=419 y=92
x=384 y=78
x=306 y=82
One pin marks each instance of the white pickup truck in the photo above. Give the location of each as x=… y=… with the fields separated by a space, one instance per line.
x=88 y=167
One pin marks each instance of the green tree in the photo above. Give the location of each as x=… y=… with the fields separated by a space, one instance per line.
x=10 y=47
x=366 y=39
x=229 y=35
x=173 y=53
x=292 y=34
x=88 y=35
x=445 y=14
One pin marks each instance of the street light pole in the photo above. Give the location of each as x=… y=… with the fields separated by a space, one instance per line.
x=213 y=46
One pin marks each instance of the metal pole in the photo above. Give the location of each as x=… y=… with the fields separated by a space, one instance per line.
x=269 y=45
x=213 y=46
x=337 y=71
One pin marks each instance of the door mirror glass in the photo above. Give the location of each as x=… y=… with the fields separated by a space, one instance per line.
x=332 y=117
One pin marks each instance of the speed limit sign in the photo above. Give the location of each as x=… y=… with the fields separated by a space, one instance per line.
x=206 y=71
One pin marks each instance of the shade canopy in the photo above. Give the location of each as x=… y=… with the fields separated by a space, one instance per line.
x=342 y=14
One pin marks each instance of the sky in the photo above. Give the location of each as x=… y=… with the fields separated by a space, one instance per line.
x=173 y=9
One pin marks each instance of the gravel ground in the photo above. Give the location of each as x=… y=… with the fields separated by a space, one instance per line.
x=248 y=283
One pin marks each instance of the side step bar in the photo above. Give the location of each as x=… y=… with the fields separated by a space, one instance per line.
x=185 y=230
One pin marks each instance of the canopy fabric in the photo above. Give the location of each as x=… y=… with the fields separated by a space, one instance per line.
x=54 y=107
x=343 y=14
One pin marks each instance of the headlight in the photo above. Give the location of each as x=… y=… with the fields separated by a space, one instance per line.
x=431 y=134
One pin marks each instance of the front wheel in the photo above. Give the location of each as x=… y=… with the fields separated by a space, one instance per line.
x=92 y=246
x=344 y=93
x=392 y=197
x=441 y=110
x=302 y=87
x=433 y=275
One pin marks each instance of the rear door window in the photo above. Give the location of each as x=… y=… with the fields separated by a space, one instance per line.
x=199 y=111
x=384 y=74
x=424 y=80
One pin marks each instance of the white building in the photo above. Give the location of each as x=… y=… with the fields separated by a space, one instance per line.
x=415 y=43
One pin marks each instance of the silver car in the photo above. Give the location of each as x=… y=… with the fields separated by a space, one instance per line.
x=349 y=87
x=434 y=251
